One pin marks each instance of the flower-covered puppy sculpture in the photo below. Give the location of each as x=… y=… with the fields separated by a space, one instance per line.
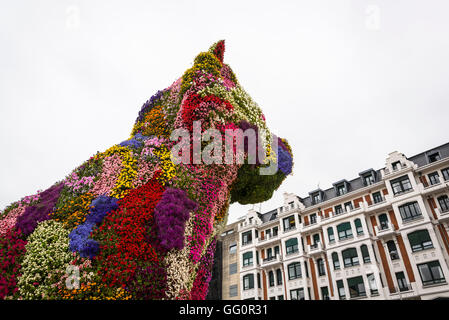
x=140 y=220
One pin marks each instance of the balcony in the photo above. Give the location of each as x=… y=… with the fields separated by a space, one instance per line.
x=312 y=224
x=291 y=228
x=270 y=261
x=396 y=169
x=384 y=230
x=247 y=243
x=267 y=239
x=378 y=203
x=442 y=215
x=433 y=187
x=316 y=248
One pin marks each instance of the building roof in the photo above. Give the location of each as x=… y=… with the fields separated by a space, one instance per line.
x=420 y=159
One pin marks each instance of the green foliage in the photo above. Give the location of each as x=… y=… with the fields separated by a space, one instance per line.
x=252 y=187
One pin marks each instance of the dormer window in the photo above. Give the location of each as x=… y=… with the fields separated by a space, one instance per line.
x=341 y=187
x=396 y=165
x=368 y=177
x=435 y=156
x=368 y=180
x=317 y=196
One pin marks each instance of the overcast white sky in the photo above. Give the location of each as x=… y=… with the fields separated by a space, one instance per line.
x=346 y=82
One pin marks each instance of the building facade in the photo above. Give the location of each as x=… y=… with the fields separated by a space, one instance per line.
x=382 y=235
x=229 y=261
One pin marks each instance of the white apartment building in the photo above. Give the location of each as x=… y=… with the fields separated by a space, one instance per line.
x=382 y=235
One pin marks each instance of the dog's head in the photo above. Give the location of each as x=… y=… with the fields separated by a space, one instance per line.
x=208 y=98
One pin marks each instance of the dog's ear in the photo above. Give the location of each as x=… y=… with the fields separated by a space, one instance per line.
x=218 y=49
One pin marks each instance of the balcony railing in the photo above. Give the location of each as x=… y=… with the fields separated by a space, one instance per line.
x=247 y=243
x=315 y=248
x=272 y=259
x=268 y=237
x=290 y=228
x=384 y=229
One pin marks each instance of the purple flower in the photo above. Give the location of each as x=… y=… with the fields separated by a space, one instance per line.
x=285 y=161
x=170 y=216
x=32 y=215
x=147 y=106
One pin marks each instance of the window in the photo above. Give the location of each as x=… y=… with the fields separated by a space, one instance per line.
x=372 y=284
x=383 y=221
x=273 y=298
x=297 y=294
x=232 y=248
x=275 y=231
x=368 y=180
x=348 y=206
x=281 y=297
x=306 y=268
x=294 y=270
x=330 y=234
x=401 y=185
x=410 y=211
x=335 y=261
x=444 y=203
x=291 y=246
x=377 y=197
x=269 y=254
x=276 y=251
x=227 y=232
x=402 y=282
x=247 y=259
x=338 y=209
x=365 y=253
x=341 y=289
x=321 y=268
x=392 y=250
x=279 y=276
x=316 y=198
x=258 y=280
x=268 y=233
x=358 y=226
x=445 y=173
x=325 y=293
x=396 y=165
x=289 y=223
x=313 y=218
x=341 y=189
x=232 y=268
x=434 y=157
x=431 y=273
x=420 y=240
x=316 y=239
x=356 y=287
x=350 y=257
x=434 y=178
x=247 y=237
x=233 y=290
x=271 y=278
x=344 y=230
x=248 y=281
